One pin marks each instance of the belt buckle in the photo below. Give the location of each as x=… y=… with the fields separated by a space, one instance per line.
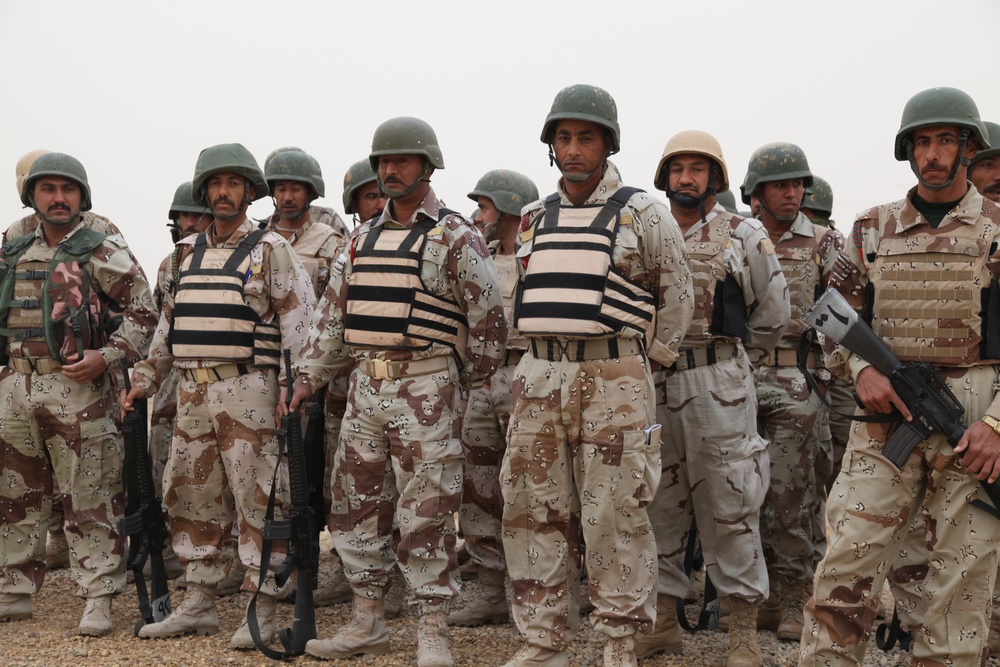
x=380 y=369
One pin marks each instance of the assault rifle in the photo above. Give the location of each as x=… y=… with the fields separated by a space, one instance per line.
x=933 y=406
x=143 y=525
x=299 y=530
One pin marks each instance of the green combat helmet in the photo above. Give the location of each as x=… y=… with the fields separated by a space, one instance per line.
x=184 y=202
x=819 y=197
x=939 y=106
x=727 y=200
x=584 y=102
x=24 y=166
x=508 y=190
x=359 y=174
x=993 y=135
x=57 y=164
x=294 y=165
x=406 y=136
x=778 y=161
x=227 y=157
x=277 y=151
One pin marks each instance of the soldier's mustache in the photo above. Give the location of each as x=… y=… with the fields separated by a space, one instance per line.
x=58 y=207
x=223 y=200
x=994 y=189
x=933 y=166
x=394 y=180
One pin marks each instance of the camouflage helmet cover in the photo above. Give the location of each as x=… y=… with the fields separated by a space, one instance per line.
x=509 y=190
x=778 y=161
x=276 y=151
x=819 y=197
x=406 y=136
x=295 y=165
x=691 y=141
x=227 y=157
x=184 y=202
x=939 y=106
x=584 y=102
x=993 y=136
x=360 y=173
x=57 y=164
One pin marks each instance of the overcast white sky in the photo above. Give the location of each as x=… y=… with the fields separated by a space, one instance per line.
x=136 y=89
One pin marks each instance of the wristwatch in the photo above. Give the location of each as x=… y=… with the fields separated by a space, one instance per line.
x=992 y=422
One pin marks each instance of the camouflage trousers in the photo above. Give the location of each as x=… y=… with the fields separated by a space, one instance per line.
x=786 y=415
x=51 y=424
x=484 y=436
x=161 y=427
x=222 y=458
x=871 y=511
x=832 y=433
x=577 y=461
x=715 y=470
x=413 y=425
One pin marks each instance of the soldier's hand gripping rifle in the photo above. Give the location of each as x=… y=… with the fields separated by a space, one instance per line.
x=933 y=406
x=143 y=525
x=299 y=530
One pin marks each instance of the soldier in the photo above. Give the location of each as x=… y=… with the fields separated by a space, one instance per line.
x=984 y=169
x=320 y=214
x=818 y=203
x=716 y=463
x=362 y=197
x=236 y=297
x=727 y=200
x=58 y=286
x=605 y=287
x=791 y=520
x=186 y=218
x=942 y=237
x=500 y=194
x=416 y=303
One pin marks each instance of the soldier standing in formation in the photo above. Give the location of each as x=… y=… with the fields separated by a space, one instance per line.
x=237 y=296
x=604 y=288
x=60 y=285
x=943 y=234
x=500 y=195
x=416 y=303
x=792 y=517
x=715 y=465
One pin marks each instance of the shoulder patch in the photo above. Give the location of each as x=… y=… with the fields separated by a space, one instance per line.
x=767 y=245
x=116 y=241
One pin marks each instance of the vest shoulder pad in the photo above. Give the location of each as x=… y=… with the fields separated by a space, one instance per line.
x=17 y=245
x=83 y=241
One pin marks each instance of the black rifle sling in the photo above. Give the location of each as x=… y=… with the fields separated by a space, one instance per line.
x=708 y=617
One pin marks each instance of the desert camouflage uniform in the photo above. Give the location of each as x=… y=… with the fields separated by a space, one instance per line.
x=873 y=505
x=787 y=413
x=47 y=420
x=27 y=225
x=484 y=436
x=163 y=407
x=327 y=216
x=715 y=465
x=224 y=434
x=577 y=457
x=412 y=422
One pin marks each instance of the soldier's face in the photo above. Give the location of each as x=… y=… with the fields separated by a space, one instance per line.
x=192 y=223
x=291 y=198
x=225 y=193
x=58 y=198
x=935 y=150
x=783 y=199
x=399 y=172
x=487 y=213
x=986 y=177
x=689 y=174
x=579 y=146
x=368 y=201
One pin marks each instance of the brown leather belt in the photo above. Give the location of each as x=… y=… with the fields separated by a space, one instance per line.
x=585 y=350
x=38 y=365
x=214 y=373
x=380 y=369
x=705 y=356
x=784 y=358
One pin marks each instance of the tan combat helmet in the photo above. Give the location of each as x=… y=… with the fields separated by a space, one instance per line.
x=24 y=167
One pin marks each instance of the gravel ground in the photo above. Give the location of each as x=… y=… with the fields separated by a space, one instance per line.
x=50 y=639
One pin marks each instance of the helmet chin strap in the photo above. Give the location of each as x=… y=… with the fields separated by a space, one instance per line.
x=689 y=202
x=780 y=218
x=961 y=160
x=572 y=177
x=244 y=205
x=52 y=221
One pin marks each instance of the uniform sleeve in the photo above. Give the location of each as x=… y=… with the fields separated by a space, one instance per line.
x=324 y=353
x=670 y=277
x=765 y=291
x=122 y=281
x=477 y=289
x=290 y=295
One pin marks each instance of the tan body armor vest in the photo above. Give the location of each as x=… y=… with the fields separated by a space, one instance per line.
x=507 y=270
x=388 y=306
x=308 y=248
x=570 y=289
x=801 y=266
x=706 y=251
x=929 y=292
x=212 y=320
